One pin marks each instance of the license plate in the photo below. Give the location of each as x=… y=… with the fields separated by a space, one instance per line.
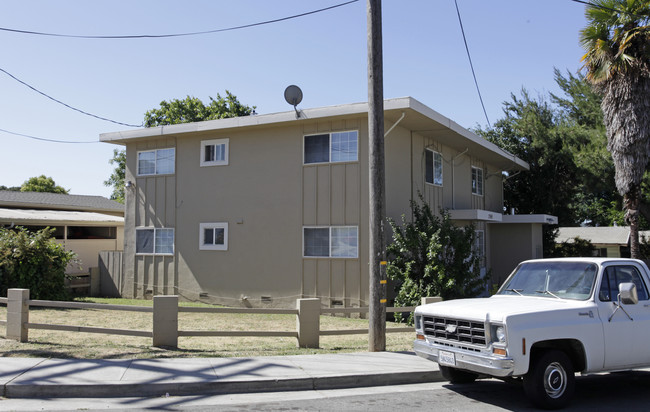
x=446 y=358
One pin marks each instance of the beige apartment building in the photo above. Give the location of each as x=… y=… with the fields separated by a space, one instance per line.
x=265 y=209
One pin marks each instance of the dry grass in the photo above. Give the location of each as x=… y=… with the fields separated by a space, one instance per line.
x=59 y=344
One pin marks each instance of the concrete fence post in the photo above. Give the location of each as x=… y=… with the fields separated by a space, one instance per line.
x=308 y=322
x=431 y=299
x=94 y=276
x=165 y=321
x=17 y=314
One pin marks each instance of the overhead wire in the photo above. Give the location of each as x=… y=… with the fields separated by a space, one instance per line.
x=48 y=140
x=197 y=33
x=469 y=56
x=136 y=37
x=65 y=104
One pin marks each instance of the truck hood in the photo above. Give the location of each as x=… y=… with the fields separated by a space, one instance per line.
x=498 y=307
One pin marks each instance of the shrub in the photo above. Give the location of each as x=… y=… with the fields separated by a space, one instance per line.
x=429 y=256
x=34 y=261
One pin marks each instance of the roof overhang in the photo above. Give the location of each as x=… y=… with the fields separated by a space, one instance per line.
x=494 y=217
x=417 y=118
x=541 y=218
x=475 y=214
x=57 y=218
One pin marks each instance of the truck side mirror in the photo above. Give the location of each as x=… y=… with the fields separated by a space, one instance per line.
x=628 y=295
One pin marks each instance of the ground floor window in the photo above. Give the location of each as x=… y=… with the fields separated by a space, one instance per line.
x=154 y=241
x=213 y=236
x=331 y=241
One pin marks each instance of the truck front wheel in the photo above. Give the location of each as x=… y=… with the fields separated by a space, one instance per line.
x=550 y=381
x=454 y=375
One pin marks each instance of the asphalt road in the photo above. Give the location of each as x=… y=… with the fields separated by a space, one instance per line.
x=612 y=392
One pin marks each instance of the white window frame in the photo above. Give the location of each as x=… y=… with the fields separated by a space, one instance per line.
x=478 y=182
x=213 y=246
x=329 y=160
x=332 y=247
x=155 y=152
x=153 y=252
x=215 y=142
x=436 y=157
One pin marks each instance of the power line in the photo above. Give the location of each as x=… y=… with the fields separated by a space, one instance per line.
x=47 y=140
x=471 y=64
x=156 y=36
x=64 y=104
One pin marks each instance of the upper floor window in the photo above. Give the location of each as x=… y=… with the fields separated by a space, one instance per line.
x=214 y=152
x=213 y=236
x=477 y=181
x=334 y=241
x=154 y=241
x=433 y=167
x=156 y=162
x=331 y=147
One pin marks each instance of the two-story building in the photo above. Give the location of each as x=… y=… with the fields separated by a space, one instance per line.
x=264 y=209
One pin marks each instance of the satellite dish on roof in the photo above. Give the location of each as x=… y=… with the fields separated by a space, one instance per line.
x=293 y=96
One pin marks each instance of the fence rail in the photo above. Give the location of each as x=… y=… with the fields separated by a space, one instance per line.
x=165 y=312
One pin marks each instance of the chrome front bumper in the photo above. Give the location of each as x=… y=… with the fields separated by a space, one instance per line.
x=478 y=362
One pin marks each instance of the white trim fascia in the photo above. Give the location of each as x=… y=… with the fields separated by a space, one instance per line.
x=539 y=218
x=475 y=214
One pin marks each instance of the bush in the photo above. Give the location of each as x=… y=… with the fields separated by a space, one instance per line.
x=576 y=247
x=431 y=257
x=34 y=261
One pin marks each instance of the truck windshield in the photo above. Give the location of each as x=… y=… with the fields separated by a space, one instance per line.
x=555 y=280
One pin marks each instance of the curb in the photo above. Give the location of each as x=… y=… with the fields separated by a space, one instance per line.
x=146 y=389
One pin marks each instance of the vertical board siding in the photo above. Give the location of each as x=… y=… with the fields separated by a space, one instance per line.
x=352 y=194
x=155 y=206
x=323 y=203
x=331 y=197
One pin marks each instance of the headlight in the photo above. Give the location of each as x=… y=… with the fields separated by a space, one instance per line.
x=418 y=322
x=500 y=334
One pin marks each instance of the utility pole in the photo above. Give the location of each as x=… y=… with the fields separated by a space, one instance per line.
x=377 y=180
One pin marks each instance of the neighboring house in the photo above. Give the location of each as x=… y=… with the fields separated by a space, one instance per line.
x=264 y=209
x=610 y=241
x=85 y=225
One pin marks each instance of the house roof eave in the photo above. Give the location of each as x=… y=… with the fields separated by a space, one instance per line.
x=418 y=117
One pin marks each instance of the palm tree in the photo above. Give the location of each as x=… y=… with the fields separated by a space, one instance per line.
x=617 y=59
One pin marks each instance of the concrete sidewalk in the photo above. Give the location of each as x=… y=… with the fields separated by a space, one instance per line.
x=75 y=378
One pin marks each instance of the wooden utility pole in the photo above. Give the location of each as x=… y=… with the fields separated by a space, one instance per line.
x=377 y=180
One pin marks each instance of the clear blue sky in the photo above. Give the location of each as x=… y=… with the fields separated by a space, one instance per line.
x=513 y=43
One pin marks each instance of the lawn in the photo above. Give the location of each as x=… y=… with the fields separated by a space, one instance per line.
x=60 y=344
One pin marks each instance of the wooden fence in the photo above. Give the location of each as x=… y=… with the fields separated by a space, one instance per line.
x=165 y=319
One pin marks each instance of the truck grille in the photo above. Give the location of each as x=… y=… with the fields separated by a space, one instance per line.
x=455 y=330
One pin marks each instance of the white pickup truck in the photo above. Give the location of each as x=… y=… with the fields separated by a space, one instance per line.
x=550 y=319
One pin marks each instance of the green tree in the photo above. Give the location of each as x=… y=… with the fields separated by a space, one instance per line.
x=576 y=247
x=33 y=261
x=429 y=256
x=42 y=183
x=11 y=189
x=192 y=109
x=116 y=180
x=532 y=130
x=617 y=59
x=596 y=200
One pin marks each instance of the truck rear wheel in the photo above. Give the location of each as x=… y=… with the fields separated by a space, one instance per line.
x=454 y=375
x=550 y=381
